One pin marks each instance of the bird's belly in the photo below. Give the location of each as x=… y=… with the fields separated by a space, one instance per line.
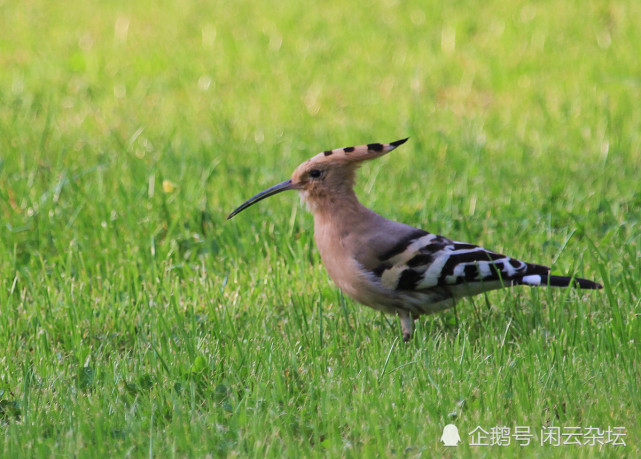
x=356 y=282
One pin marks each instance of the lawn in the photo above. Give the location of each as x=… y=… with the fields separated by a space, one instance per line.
x=135 y=321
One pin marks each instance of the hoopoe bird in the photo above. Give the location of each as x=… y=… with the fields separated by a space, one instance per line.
x=390 y=266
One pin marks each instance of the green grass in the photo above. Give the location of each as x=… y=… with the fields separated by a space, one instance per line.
x=135 y=321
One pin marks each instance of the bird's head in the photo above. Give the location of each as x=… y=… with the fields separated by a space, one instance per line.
x=331 y=171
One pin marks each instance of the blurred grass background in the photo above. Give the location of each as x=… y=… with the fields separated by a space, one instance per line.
x=136 y=321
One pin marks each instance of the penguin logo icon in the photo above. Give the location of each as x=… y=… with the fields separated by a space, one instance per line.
x=450 y=435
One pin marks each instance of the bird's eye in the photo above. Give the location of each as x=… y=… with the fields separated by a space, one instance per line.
x=315 y=173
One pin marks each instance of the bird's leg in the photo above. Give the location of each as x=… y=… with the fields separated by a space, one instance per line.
x=407 y=326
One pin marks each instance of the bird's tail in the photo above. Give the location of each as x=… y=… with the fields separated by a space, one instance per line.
x=545 y=280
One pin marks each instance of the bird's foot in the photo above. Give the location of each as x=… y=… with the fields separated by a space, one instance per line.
x=407 y=326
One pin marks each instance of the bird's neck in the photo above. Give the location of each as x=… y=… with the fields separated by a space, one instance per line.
x=334 y=206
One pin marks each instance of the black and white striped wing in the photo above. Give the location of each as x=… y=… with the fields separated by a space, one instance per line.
x=426 y=261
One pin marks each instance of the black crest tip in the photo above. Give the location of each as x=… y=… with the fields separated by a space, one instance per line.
x=399 y=142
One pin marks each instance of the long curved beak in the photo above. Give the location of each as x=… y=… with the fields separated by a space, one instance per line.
x=286 y=185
